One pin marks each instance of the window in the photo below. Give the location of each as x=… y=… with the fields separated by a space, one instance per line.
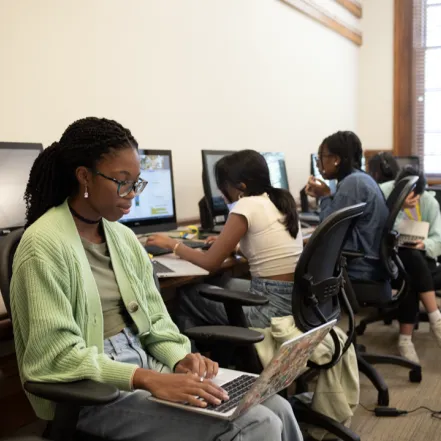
x=427 y=83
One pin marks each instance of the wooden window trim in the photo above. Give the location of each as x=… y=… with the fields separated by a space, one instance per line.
x=404 y=87
x=403 y=78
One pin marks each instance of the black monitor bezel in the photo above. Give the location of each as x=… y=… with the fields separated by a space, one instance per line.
x=5 y=145
x=206 y=180
x=149 y=225
x=410 y=157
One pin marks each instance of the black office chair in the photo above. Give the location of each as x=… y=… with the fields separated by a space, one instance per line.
x=389 y=313
x=70 y=397
x=379 y=295
x=318 y=291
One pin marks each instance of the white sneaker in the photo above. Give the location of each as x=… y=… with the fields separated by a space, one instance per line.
x=436 y=331
x=407 y=350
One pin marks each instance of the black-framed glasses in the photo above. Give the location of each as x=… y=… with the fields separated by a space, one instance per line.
x=319 y=157
x=125 y=187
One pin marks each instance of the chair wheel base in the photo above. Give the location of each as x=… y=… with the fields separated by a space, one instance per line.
x=415 y=376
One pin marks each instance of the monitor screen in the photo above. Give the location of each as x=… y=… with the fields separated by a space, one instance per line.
x=276 y=166
x=209 y=159
x=16 y=160
x=316 y=172
x=414 y=161
x=277 y=169
x=154 y=208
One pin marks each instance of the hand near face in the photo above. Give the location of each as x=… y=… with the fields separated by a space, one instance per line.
x=411 y=200
x=317 y=188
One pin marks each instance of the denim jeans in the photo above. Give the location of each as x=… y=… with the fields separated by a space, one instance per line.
x=195 y=310
x=133 y=417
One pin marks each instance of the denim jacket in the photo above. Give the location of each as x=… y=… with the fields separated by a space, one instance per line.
x=366 y=235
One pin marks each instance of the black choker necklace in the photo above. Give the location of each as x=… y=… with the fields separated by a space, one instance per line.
x=81 y=218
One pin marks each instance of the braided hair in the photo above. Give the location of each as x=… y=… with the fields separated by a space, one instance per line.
x=347 y=146
x=52 y=178
x=250 y=168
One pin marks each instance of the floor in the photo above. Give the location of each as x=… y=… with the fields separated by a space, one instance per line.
x=418 y=426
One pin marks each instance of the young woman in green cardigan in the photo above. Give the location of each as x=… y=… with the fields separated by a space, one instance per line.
x=85 y=305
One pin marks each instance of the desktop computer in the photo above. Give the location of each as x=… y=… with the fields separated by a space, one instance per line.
x=212 y=208
x=16 y=160
x=154 y=209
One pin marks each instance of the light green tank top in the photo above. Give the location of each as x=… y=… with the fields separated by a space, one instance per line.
x=116 y=317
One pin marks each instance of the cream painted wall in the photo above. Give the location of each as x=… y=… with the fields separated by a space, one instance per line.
x=182 y=75
x=375 y=105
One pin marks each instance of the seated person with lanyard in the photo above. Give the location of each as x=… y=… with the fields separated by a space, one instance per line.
x=420 y=263
x=263 y=219
x=85 y=304
x=340 y=157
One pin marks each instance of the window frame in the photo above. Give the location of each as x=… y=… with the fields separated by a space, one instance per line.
x=408 y=111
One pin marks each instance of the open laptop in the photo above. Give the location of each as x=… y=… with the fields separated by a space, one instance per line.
x=248 y=390
x=411 y=232
x=172 y=266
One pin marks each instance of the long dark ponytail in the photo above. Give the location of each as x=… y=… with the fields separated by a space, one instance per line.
x=250 y=168
x=52 y=178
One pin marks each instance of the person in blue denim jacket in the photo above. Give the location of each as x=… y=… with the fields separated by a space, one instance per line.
x=340 y=158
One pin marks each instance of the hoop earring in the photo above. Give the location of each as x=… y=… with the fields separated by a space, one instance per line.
x=240 y=196
x=86 y=193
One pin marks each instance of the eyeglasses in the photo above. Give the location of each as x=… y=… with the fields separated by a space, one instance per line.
x=319 y=158
x=125 y=187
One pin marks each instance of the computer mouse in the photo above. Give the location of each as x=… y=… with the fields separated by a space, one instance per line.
x=207 y=246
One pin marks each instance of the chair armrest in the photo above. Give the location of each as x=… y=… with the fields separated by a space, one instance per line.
x=228 y=334
x=242 y=298
x=81 y=393
x=351 y=254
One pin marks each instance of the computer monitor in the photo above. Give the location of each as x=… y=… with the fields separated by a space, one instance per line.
x=316 y=172
x=403 y=161
x=276 y=166
x=16 y=160
x=154 y=209
x=277 y=169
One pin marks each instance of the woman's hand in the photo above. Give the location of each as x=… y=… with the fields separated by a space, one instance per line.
x=411 y=200
x=197 y=364
x=211 y=239
x=317 y=188
x=161 y=241
x=419 y=245
x=179 y=388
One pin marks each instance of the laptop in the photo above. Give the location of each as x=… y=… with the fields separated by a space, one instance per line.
x=412 y=231
x=172 y=266
x=248 y=390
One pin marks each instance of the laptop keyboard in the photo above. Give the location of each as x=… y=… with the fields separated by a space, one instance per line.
x=236 y=389
x=160 y=268
x=404 y=238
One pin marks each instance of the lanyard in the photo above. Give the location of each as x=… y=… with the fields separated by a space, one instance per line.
x=410 y=215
